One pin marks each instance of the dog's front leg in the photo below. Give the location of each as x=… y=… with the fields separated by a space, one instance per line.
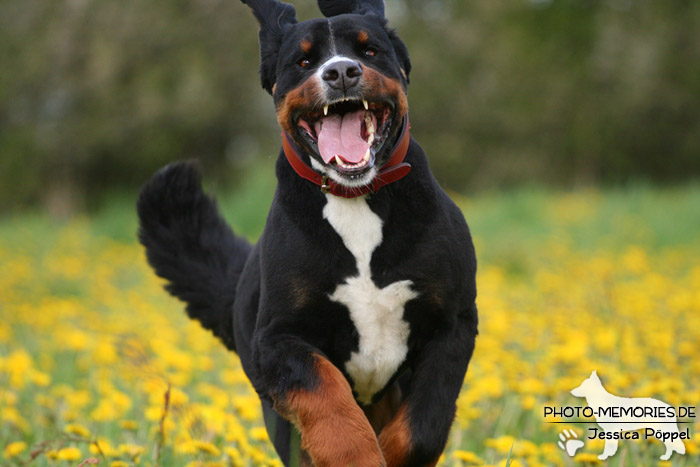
x=609 y=449
x=417 y=434
x=310 y=392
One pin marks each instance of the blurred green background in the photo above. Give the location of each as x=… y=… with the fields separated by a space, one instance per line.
x=96 y=95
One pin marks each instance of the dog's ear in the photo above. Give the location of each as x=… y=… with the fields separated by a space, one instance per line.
x=274 y=18
x=401 y=53
x=339 y=7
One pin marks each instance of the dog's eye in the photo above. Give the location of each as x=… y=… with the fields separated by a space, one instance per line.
x=304 y=62
x=370 y=52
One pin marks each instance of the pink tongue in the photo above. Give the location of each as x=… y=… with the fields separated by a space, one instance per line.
x=342 y=136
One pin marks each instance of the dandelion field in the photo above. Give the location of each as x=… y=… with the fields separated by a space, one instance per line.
x=99 y=366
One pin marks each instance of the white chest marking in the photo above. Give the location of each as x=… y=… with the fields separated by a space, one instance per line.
x=377 y=313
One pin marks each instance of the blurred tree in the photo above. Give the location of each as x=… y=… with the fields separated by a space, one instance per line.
x=98 y=94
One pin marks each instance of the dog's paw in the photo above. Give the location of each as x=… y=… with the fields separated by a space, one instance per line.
x=569 y=443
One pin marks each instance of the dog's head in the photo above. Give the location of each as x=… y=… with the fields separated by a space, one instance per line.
x=588 y=387
x=338 y=83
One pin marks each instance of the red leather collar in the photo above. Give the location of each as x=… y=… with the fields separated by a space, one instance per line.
x=395 y=168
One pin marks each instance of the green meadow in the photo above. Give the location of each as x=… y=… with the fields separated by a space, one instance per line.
x=99 y=366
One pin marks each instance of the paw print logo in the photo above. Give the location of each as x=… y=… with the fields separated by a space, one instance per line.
x=569 y=442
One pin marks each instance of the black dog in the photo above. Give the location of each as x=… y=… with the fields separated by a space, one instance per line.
x=354 y=315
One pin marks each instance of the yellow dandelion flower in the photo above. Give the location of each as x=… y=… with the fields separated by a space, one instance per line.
x=185 y=447
x=502 y=444
x=17 y=365
x=103 y=447
x=231 y=377
x=105 y=353
x=525 y=448
x=153 y=413
x=8 y=397
x=5 y=332
x=129 y=425
x=528 y=402
x=120 y=400
x=206 y=447
x=45 y=401
x=71 y=338
x=70 y=453
x=78 y=430
x=105 y=411
x=77 y=399
x=469 y=457
x=256 y=454
x=131 y=450
x=11 y=415
x=587 y=458
x=178 y=397
x=206 y=464
x=39 y=379
x=248 y=407
x=259 y=433
x=234 y=456
x=14 y=449
x=119 y=464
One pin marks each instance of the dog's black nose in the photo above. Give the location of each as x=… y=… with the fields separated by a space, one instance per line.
x=342 y=75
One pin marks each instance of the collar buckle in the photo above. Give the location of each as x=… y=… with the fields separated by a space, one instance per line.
x=325 y=187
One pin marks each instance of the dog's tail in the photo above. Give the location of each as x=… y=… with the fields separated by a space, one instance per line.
x=190 y=245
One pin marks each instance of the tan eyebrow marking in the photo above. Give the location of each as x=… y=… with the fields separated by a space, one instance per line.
x=305 y=45
x=363 y=36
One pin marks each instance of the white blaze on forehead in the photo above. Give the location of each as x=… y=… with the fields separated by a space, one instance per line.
x=334 y=49
x=376 y=313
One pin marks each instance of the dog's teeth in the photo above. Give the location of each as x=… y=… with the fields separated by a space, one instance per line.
x=338 y=160
x=370 y=140
x=325 y=110
x=367 y=155
x=369 y=123
x=366 y=104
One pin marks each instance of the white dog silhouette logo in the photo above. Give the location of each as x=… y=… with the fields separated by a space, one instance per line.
x=619 y=415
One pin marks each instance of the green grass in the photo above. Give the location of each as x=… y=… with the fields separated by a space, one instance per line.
x=505 y=224
x=556 y=269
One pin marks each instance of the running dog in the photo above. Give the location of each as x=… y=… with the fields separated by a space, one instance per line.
x=354 y=315
x=617 y=415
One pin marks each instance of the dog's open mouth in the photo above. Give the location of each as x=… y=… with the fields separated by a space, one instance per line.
x=347 y=135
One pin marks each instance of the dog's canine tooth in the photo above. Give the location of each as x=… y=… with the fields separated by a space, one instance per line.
x=370 y=140
x=367 y=154
x=366 y=104
x=338 y=160
x=369 y=123
x=325 y=110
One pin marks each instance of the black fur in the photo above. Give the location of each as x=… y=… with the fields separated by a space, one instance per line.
x=191 y=246
x=271 y=302
x=340 y=7
x=275 y=19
